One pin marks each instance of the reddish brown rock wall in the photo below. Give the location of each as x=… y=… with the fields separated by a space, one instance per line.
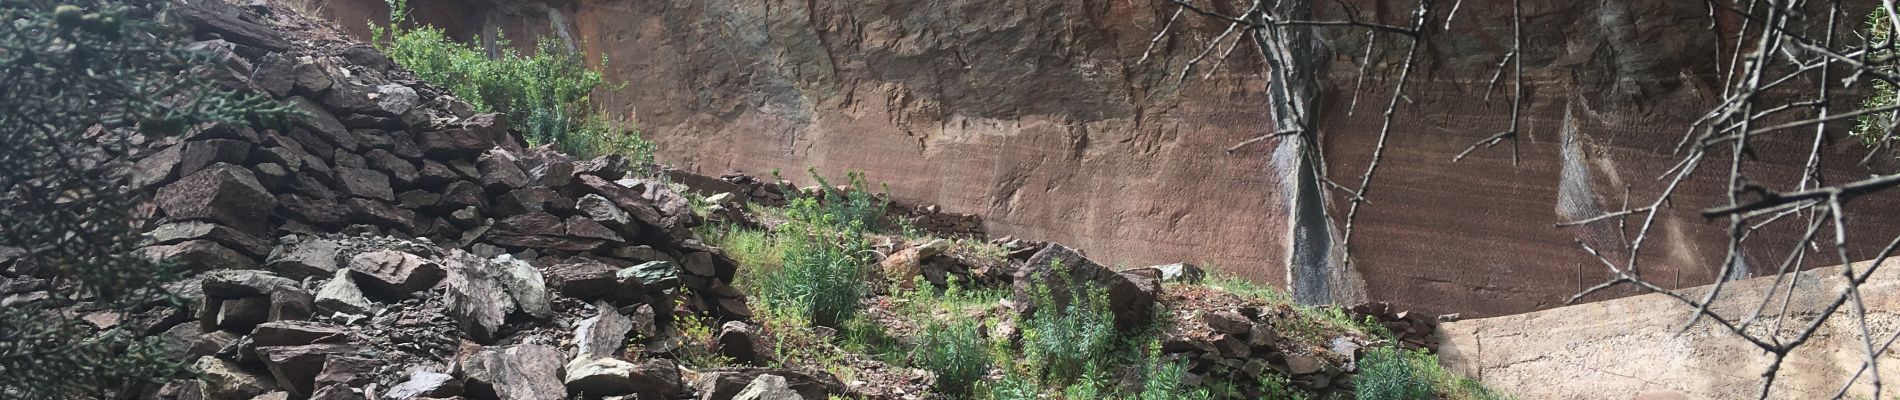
x=1030 y=113
x=1039 y=116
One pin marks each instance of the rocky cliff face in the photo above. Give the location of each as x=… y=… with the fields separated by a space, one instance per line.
x=1045 y=118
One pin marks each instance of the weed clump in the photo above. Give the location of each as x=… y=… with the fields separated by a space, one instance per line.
x=825 y=257
x=956 y=353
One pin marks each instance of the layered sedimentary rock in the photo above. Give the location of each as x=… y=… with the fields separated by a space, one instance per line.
x=1052 y=121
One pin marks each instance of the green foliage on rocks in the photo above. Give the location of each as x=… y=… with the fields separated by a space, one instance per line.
x=1063 y=345
x=547 y=94
x=84 y=83
x=956 y=353
x=824 y=263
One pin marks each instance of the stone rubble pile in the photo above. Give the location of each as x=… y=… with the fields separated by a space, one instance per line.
x=379 y=152
x=1414 y=330
x=1241 y=344
x=391 y=243
x=745 y=188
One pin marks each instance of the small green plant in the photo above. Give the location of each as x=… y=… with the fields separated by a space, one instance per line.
x=1276 y=386
x=1011 y=387
x=1876 y=128
x=1162 y=379
x=759 y=251
x=1387 y=373
x=822 y=277
x=843 y=208
x=956 y=353
x=547 y=95
x=1062 y=344
x=1242 y=286
x=697 y=351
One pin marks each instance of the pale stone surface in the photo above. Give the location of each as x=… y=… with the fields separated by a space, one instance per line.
x=1629 y=348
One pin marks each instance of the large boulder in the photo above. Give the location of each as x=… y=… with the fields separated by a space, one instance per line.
x=301 y=257
x=603 y=335
x=203 y=153
x=653 y=275
x=225 y=194
x=768 y=387
x=365 y=183
x=600 y=376
x=737 y=341
x=584 y=279
x=195 y=230
x=340 y=294
x=727 y=384
x=225 y=380
x=524 y=284
x=426 y=384
x=1065 y=272
x=396 y=273
x=242 y=283
x=297 y=333
x=521 y=372
x=296 y=367
x=477 y=302
x=501 y=171
x=200 y=255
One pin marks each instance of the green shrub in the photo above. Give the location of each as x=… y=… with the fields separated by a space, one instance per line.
x=1062 y=344
x=857 y=209
x=956 y=353
x=78 y=79
x=1011 y=387
x=547 y=95
x=1162 y=379
x=822 y=272
x=757 y=251
x=1387 y=373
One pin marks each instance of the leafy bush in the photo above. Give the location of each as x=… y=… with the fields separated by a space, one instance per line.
x=757 y=250
x=1387 y=373
x=1062 y=344
x=700 y=339
x=1011 y=387
x=1276 y=386
x=547 y=95
x=956 y=353
x=822 y=273
x=1162 y=379
x=855 y=209
x=78 y=80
